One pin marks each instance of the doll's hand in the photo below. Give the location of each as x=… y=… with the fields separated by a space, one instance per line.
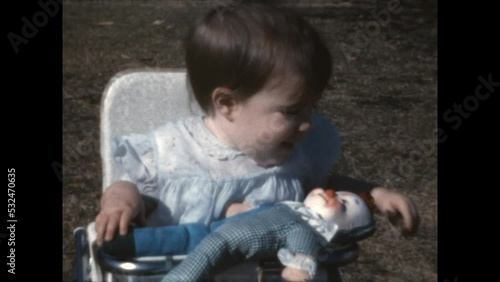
x=291 y=274
x=397 y=208
x=236 y=208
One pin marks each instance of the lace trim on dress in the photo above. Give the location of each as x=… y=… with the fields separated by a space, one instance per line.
x=210 y=144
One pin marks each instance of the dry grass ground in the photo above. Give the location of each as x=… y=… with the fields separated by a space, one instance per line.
x=382 y=98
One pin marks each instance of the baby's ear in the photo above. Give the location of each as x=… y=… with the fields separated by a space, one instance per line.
x=224 y=101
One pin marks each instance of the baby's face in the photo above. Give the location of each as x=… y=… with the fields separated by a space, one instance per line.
x=346 y=209
x=269 y=124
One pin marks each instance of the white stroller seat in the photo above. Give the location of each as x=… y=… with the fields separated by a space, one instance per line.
x=139 y=101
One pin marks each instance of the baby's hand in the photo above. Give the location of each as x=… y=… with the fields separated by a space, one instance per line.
x=291 y=274
x=120 y=204
x=236 y=208
x=397 y=207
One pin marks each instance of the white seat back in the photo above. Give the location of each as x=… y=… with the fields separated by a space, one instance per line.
x=138 y=101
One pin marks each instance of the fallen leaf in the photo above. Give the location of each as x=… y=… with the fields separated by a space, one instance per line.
x=105 y=23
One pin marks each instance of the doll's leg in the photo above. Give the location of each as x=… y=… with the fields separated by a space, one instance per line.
x=157 y=241
x=209 y=257
x=233 y=242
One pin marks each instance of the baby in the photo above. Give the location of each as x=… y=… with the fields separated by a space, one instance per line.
x=257 y=73
x=294 y=231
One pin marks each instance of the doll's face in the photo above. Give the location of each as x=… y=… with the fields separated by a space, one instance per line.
x=345 y=209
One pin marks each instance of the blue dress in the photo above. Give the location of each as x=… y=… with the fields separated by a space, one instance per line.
x=194 y=175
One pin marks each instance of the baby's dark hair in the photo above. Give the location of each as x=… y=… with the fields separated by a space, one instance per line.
x=241 y=47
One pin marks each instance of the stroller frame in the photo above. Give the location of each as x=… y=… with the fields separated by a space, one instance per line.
x=138 y=100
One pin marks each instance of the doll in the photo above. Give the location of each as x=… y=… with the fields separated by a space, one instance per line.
x=293 y=231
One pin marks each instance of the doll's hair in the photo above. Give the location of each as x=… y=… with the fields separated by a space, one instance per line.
x=242 y=47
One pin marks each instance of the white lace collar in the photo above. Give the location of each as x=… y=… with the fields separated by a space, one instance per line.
x=210 y=144
x=324 y=228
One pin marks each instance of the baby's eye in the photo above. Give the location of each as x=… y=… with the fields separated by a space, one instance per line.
x=290 y=111
x=296 y=111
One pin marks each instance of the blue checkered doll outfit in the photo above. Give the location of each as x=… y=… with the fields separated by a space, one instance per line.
x=258 y=235
x=285 y=229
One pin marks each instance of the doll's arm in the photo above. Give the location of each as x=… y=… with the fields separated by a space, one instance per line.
x=298 y=255
x=295 y=275
x=298 y=267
